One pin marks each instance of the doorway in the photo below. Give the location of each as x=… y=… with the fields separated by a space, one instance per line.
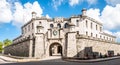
x=55 y=49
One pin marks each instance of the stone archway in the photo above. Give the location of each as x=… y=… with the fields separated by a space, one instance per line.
x=55 y=49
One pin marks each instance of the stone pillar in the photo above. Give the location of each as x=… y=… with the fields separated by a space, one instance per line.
x=39 y=45
x=30 y=48
x=71 y=44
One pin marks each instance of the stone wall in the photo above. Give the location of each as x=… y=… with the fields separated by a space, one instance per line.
x=18 y=49
x=96 y=46
x=71 y=44
x=39 y=46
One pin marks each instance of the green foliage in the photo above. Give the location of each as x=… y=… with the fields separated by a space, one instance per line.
x=7 y=42
x=1 y=44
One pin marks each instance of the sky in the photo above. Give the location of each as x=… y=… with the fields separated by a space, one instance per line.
x=15 y=13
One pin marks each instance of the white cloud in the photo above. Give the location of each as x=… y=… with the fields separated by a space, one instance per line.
x=47 y=16
x=92 y=1
x=17 y=13
x=111 y=17
x=57 y=3
x=94 y=13
x=117 y=34
x=74 y=2
x=22 y=13
x=5 y=12
x=113 y=2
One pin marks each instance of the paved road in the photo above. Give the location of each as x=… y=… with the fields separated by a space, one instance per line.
x=60 y=62
x=3 y=62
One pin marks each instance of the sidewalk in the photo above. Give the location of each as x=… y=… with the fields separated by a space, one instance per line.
x=93 y=60
x=10 y=59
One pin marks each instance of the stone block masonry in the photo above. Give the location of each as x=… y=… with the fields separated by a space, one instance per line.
x=20 y=49
x=87 y=46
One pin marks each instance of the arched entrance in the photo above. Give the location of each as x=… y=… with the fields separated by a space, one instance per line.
x=55 y=49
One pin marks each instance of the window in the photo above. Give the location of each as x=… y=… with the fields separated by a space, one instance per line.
x=91 y=34
x=86 y=33
x=100 y=36
x=96 y=35
x=86 y=23
x=111 y=39
x=22 y=31
x=77 y=23
x=51 y=26
x=91 y=25
x=25 y=30
x=66 y=25
x=96 y=27
x=59 y=25
x=77 y=32
x=100 y=29
x=32 y=26
x=39 y=22
x=107 y=38
x=28 y=27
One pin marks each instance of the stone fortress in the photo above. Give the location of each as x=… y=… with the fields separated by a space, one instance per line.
x=78 y=36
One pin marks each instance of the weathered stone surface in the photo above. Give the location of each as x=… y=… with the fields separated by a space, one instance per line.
x=98 y=46
x=21 y=49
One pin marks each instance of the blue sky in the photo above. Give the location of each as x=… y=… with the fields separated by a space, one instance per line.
x=15 y=13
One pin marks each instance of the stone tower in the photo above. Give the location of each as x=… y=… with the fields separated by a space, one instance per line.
x=71 y=41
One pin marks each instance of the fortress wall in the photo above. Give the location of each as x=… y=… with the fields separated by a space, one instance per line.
x=18 y=49
x=97 y=46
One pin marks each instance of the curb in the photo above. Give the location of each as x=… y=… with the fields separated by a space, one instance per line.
x=65 y=59
x=91 y=60
x=20 y=60
x=8 y=60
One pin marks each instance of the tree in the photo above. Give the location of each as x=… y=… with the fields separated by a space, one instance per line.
x=1 y=44
x=7 y=42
